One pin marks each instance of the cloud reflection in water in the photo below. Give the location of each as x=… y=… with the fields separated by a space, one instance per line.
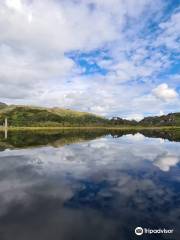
x=100 y=189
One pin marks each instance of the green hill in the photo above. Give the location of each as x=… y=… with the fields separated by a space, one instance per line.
x=30 y=116
x=2 y=105
x=172 y=119
x=37 y=116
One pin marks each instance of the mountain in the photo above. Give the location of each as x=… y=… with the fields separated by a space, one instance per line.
x=172 y=119
x=3 y=105
x=31 y=116
x=38 y=116
x=121 y=121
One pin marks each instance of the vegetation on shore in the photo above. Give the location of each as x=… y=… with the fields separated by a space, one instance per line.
x=38 y=117
x=27 y=116
x=120 y=128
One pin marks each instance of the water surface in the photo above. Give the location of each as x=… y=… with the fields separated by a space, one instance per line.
x=89 y=185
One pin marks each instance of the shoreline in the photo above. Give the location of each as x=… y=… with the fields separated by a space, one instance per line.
x=91 y=128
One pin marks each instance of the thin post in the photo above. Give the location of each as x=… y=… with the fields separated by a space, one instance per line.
x=6 y=133
x=6 y=123
x=6 y=128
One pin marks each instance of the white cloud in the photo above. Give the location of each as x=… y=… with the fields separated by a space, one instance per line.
x=171 y=32
x=165 y=93
x=161 y=113
x=137 y=117
x=55 y=26
x=14 y=4
x=35 y=67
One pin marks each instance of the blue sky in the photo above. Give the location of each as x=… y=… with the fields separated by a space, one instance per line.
x=113 y=58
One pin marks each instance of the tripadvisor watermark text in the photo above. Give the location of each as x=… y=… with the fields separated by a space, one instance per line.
x=140 y=231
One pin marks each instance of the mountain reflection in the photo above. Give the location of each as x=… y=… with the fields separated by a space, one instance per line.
x=100 y=188
x=23 y=139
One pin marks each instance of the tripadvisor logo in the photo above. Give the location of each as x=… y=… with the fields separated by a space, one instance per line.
x=139 y=231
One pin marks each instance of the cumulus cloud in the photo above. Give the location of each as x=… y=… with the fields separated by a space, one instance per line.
x=16 y=4
x=137 y=117
x=111 y=45
x=164 y=92
x=55 y=26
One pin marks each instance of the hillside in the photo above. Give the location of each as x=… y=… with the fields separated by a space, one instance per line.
x=172 y=119
x=30 y=116
x=37 y=116
x=2 y=105
x=121 y=121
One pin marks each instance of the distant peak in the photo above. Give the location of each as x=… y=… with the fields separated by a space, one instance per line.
x=2 y=104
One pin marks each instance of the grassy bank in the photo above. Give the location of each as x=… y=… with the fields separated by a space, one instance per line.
x=91 y=128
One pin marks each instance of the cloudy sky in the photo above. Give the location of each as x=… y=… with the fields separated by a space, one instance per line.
x=110 y=57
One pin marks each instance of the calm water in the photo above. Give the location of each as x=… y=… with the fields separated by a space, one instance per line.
x=91 y=185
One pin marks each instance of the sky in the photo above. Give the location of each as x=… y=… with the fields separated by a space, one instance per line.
x=109 y=57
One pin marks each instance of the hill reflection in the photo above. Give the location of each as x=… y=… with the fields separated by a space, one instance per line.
x=23 y=139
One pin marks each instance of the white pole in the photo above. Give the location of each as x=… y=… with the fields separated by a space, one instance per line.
x=6 y=133
x=6 y=128
x=6 y=123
